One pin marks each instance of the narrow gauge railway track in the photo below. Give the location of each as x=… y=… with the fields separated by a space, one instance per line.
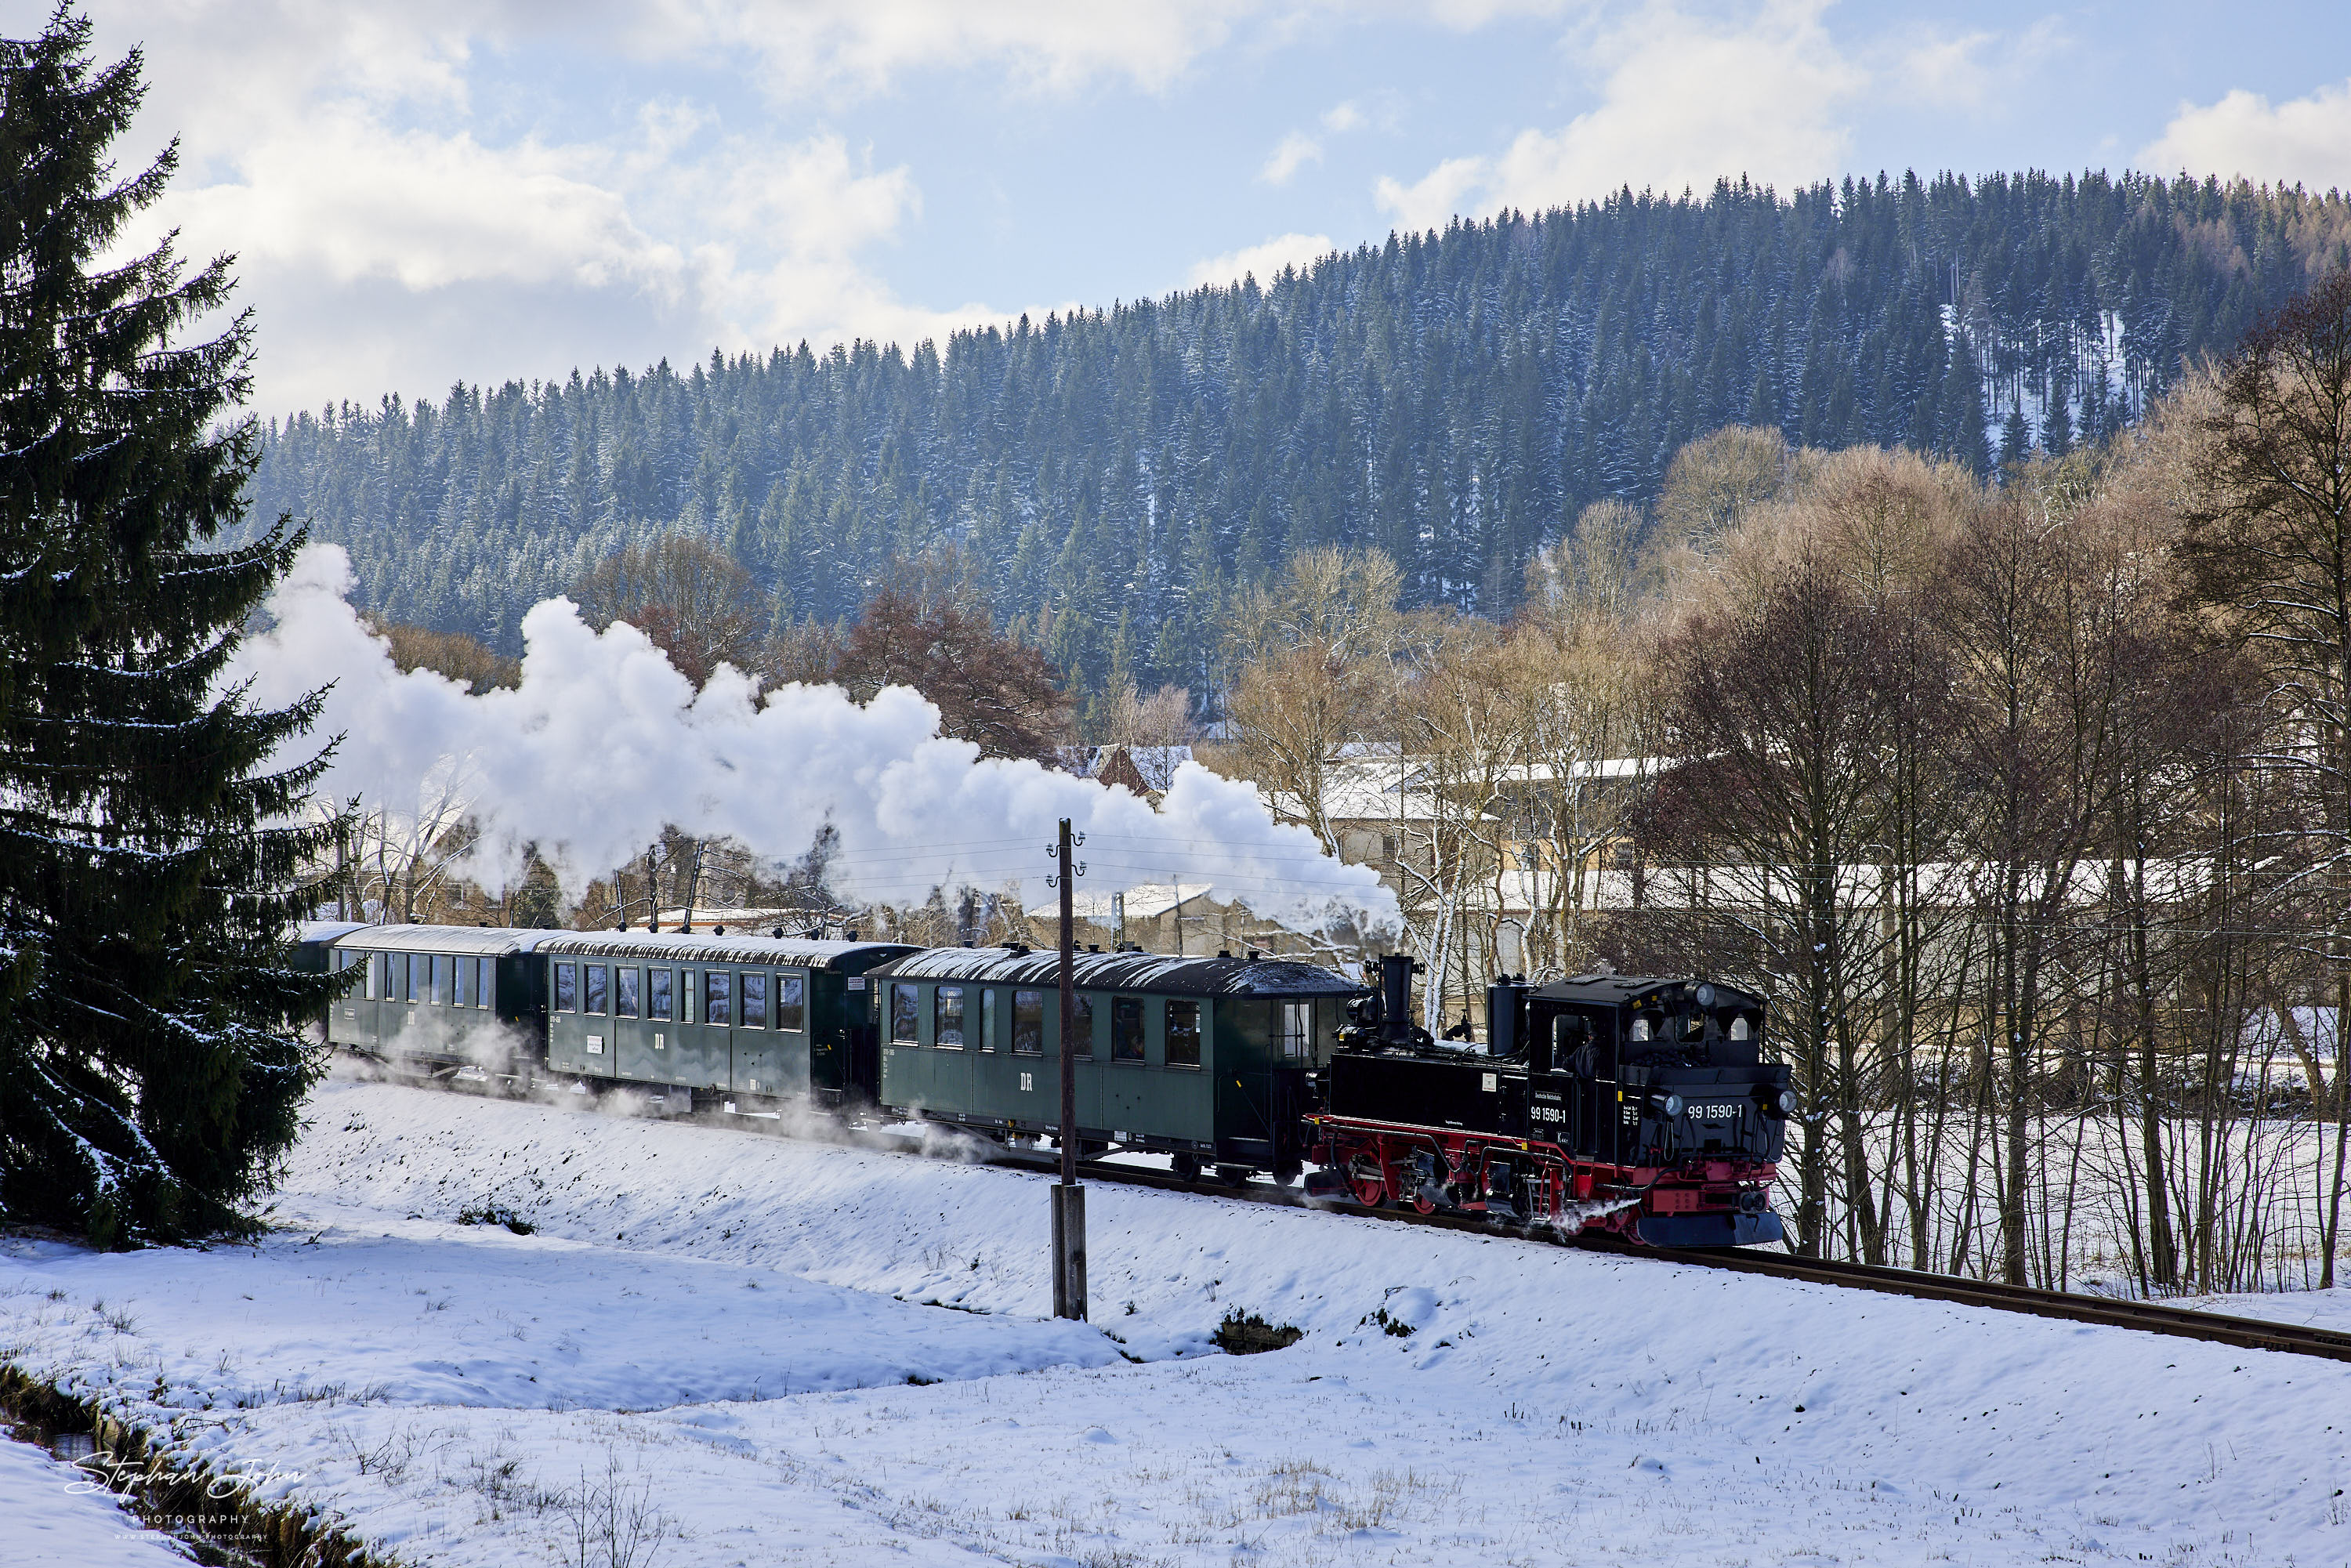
x=2146 y=1317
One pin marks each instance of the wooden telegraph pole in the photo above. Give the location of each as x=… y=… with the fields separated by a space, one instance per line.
x=1069 y=1198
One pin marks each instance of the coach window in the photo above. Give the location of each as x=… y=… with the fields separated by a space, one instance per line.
x=686 y=996
x=1182 y=1034
x=374 y=962
x=624 y=992
x=567 y=988
x=412 y=976
x=486 y=987
x=599 y=989
x=461 y=989
x=717 y=997
x=1029 y=1023
x=905 y=1013
x=1297 y=1029
x=657 y=993
x=1085 y=1022
x=755 y=1002
x=791 y=1002
x=990 y=999
x=947 y=1019
x=1127 y=1028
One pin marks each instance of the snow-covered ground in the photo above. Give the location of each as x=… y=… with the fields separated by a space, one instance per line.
x=53 y=1514
x=717 y=1347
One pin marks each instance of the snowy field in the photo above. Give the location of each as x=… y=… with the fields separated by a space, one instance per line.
x=716 y=1347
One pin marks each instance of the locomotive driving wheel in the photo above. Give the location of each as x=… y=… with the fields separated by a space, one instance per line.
x=1367 y=1180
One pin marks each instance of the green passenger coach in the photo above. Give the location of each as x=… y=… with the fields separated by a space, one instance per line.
x=452 y=1000
x=1204 y=1058
x=749 y=1016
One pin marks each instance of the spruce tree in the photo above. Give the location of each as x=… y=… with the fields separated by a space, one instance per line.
x=151 y=1070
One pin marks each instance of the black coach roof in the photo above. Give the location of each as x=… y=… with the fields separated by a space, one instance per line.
x=1614 y=990
x=1125 y=972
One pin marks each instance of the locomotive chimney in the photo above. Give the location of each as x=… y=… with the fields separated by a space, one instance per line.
x=1396 y=998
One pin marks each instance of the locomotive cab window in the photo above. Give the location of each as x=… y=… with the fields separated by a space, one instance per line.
x=1738 y=1028
x=717 y=997
x=791 y=1002
x=599 y=984
x=755 y=1002
x=1184 y=1033
x=624 y=992
x=567 y=988
x=1127 y=1028
x=657 y=993
x=946 y=1018
x=1029 y=1023
x=905 y=1013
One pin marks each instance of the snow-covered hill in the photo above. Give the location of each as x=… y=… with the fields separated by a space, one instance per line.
x=698 y=1343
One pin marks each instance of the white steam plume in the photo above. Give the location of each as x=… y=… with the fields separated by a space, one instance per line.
x=604 y=742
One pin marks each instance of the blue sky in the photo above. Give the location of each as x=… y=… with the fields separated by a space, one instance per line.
x=510 y=188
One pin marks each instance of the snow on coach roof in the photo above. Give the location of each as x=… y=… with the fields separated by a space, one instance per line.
x=491 y=941
x=698 y=947
x=1125 y=972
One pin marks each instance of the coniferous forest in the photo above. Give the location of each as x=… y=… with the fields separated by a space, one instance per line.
x=1453 y=399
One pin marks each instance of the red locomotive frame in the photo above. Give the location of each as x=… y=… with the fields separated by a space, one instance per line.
x=1430 y=1168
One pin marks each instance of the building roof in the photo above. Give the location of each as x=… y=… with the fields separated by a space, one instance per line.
x=1140 y=768
x=1125 y=972
x=1144 y=901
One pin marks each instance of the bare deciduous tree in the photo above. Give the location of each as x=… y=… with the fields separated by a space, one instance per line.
x=691 y=597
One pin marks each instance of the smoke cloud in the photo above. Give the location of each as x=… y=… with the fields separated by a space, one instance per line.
x=604 y=742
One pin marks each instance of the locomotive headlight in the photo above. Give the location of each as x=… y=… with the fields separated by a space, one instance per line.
x=1787 y=1101
x=1672 y=1106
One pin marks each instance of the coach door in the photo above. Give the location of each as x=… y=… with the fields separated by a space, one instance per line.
x=714 y=1038
x=862 y=1039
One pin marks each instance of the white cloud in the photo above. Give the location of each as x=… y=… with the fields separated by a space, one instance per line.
x=1684 y=100
x=2304 y=139
x=861 y=44
x=1435 y=196
x=1342 y=118
x=1297 y=150
x=1263 y=262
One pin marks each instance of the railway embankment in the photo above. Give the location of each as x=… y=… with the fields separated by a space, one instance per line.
x=732 y=1343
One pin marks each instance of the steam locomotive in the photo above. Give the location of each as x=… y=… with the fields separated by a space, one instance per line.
x=1618 y=1103
x=1637 y=1107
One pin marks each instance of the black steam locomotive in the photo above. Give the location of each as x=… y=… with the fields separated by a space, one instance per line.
x=1605 y=1103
